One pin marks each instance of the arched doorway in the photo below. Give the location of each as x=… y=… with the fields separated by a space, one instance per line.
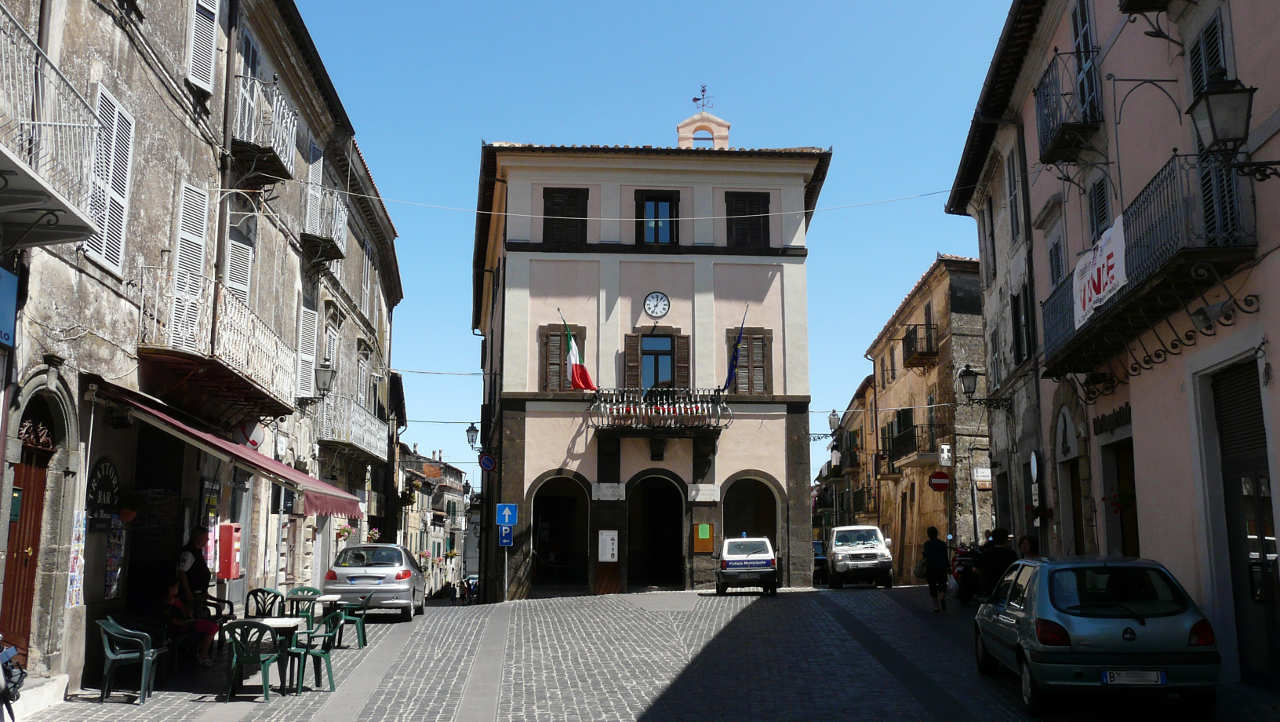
x=38 y=432
x=750 y=506
x=559 y=534
x=655 y=534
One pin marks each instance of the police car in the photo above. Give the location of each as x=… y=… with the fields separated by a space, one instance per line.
x=747 y=562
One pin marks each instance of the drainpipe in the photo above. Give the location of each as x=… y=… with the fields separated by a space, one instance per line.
x=224 y=197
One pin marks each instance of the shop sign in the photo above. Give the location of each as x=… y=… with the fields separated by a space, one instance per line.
x=103 y=496
x=1099 y=273
x=1120 y=417
x=8 y=308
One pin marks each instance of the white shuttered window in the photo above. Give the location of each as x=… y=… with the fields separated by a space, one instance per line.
x=315 y=179
x=307 y=323
x=239 y=269
x=188 y=271
x=203 y=44
x=109 y=198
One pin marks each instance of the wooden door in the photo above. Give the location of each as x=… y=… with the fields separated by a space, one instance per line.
x=23 y=552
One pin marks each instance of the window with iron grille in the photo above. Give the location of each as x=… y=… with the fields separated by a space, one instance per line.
x=657 y=217
x=747 y=222
x=1087 y=82
x=564 y=212
x=1099 y=209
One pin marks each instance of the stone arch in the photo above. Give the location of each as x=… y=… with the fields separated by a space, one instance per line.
x=558 y=529
x=52 y=624
x=781 y=546
x=655 y=545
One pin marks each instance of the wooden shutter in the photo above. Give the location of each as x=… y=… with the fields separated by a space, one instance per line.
x=564 y=211
x=307 y=322
x=1205 y=55
x=752 y=232
x=1099 y=210
x=239 y=269
x=189 y=280
x=754 y=373
x=366 y=279
x=331 y=346
x=682 y=379
x=203 y=44
x=315 y=181
x=109 y=196
x=362 y=380
x=1217 y=184
x=553 y=355
x=631 y=361
x=1011 y=186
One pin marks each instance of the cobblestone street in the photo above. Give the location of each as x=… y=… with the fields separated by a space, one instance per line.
x=805 y=654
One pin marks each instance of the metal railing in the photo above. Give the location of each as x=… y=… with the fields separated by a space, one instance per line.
x=1189 y=203
x=265 y=118
x=918 y=439
x=918 y=339
x=660 y=408
x=1067 y=97
x=327 y=216
x=177 y=312
x=347 y=422
x=43 y=120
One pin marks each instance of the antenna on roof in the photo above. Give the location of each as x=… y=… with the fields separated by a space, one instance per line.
x=703 y=101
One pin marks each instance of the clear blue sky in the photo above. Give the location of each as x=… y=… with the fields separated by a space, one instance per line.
x=890 y=86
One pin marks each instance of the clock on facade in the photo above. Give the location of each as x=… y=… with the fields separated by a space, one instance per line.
x=103 y=496
x=657 y=304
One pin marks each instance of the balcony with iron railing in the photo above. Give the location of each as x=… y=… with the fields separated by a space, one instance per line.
x=1190 y=227
x=209 y=352
x=265 y=133
x=918 y=445
x=920 y=345
x=324 y=232
x=659 y=409
x=346 y=424
x=48 y=137
x=1068 y=106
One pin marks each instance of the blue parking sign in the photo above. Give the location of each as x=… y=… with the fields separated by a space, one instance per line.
x=504 y=536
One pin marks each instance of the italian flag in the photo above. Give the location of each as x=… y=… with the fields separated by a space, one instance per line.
x=578 y=375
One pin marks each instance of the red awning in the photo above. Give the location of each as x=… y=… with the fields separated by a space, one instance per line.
x=318 y=497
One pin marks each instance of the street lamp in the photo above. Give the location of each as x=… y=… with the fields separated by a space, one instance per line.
x=325 y=372
x=472 y=434
x=1220 y=116
x=833 y=420
x=969 y=384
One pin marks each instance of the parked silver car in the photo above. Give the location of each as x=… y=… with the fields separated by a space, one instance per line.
x=387 y=571
x=1108 y=624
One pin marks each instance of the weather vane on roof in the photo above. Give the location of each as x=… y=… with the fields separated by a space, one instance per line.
x=703 y=101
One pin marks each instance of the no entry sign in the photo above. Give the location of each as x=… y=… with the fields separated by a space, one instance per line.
x=939 y=481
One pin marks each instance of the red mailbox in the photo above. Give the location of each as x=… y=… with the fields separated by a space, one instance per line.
x=228 y=551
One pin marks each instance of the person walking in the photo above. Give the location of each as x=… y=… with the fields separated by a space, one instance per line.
x=936 y=566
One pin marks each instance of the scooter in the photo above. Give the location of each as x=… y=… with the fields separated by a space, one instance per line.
x=964 y=568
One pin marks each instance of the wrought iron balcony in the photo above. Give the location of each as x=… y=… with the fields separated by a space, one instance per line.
x=659 y=409
x=1189 y=228
x=917 y=445
x=920 y=345
x=209 y=351
x=324 y=234
x=1068 y=110
x=48 y=136
x=266 y=130
x=346 y=424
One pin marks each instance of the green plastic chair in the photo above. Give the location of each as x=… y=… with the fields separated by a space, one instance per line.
x=304 y=646
x=253 y=645
x=353 y=613
x=220 y=612
x=303 y=591
x=122 y=647
x=263 y=602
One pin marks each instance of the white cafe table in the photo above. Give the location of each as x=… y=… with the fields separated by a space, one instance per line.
x=282 y=624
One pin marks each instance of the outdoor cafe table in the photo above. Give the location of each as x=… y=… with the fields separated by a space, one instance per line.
x=284 y=627
x=326 y=600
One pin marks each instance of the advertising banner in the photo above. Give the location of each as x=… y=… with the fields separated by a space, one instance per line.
x=1099 y=273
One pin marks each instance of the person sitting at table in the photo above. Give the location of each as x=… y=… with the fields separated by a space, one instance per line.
x=181 y=621
x=193 y=572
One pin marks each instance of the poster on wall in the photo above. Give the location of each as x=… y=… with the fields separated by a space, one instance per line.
x=115 y=558
x=1100 y=273
x=75 y=573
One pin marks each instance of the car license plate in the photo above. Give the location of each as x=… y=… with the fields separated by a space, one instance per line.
x=1123 y=677
x=364 y=580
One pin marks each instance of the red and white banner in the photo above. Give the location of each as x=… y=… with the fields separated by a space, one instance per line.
x=1099 y=273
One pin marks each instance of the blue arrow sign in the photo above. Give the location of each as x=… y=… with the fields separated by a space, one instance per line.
x=507 y=515
x=504 y=536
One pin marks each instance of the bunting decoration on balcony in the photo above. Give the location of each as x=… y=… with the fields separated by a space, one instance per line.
x=577 y=373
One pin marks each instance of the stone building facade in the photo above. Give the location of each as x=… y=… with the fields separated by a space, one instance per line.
x=164 y=367
x=845 y=489
x=922 y=424
x=1149 y=237
x=653 y=258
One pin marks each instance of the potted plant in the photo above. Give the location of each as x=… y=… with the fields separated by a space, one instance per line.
x=373 y=535
x=344 y=532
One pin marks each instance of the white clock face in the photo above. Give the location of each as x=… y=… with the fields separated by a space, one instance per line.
x=657 y=304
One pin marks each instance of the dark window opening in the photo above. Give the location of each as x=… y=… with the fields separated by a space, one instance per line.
x=564 y=213
x=747 y=224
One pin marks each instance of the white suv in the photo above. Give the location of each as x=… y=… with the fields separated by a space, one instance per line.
x=858 y=553
x=747 y=562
